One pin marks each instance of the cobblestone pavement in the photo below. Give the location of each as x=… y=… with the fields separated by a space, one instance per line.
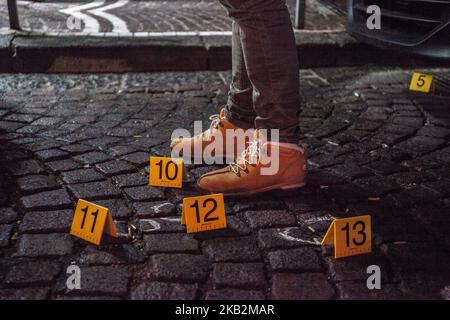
x=154 y=16
x=374 y=147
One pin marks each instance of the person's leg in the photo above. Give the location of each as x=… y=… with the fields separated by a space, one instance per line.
x=271 y=60
x=227 y=127
x=239 y=109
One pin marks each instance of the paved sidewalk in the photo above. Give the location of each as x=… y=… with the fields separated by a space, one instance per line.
x=149 y=16
x=374 y=147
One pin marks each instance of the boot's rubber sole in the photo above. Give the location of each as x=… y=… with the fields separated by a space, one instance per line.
x=280 y=186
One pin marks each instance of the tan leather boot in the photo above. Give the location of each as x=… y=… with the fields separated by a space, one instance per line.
x=202 y=145
x=252 y=174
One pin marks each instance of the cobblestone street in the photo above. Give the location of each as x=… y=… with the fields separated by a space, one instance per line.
x=374 y=148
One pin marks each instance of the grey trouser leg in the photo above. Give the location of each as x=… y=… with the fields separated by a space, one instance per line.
x=268 y=54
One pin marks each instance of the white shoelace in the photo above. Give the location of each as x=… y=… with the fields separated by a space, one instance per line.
x=215 y=122
x=248 y=156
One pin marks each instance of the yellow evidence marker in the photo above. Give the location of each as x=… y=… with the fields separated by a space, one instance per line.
x=351 y=236
x=90 y=220
x=204 y=213
x=422 y=82
x=166 y=172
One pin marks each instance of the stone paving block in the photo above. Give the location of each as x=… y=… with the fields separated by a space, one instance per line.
x=179 y=267
x=130 y=180
x=415 y=122
x=4 y=200
x=40 y=245
x=92 y=157
x=294 y=260
x=434 y=132
x=385 y=167
x=393 y=154
x=144 y=193
x=357 y=290
x=115 y=167
x=414 y=257
x=8 y=215
x=124 y=132
x=5 y=234
x=36 y=183
x=51 y=155
x=47 y=222
x=377 y=186
x=324 y=178
x=351 y=171
x=140 y=159
x=10 y=126
x=108 y=255
x=234 y=294
x=118 y=151
x=33 y=273
x=103 y=143
x=256 y=205
x=153 y=290
x=95 y=190
x=425 y=285
x=399 y=227
x=355 y=268
x=239 y=275
x=235 y=228
x=15 y=155
x=63 y=165
x=118 y=207
x=306 y=286
x=413 y=197
x=47 y=121
x=105 y=280
x=41 y=145
x=408 y=178
x=421 y=145
x=441 y=187
x=77 y=148
x=34 y=293
x=170 y=243
x=46 y=200
x=238 y=249
x=270 y=219
x=25 y=168
x=284 y=238
x=26 y=118
x=81 y=175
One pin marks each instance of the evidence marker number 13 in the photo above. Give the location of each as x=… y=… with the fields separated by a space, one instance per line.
x=350 y=236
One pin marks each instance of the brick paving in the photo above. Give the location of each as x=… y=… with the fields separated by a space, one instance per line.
x=157 y=16
x=374 y=148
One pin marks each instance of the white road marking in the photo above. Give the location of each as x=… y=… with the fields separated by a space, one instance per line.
x=90 y=24
x=118 y=24
x=158 y=207
x=171 y=219
x=285 y=235
x=154 y=225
